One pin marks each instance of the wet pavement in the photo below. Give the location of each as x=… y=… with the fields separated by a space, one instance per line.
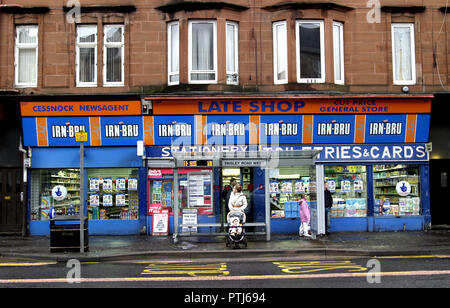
x=103 y=248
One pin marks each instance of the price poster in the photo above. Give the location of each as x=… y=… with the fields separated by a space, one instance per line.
x=120 y=183
x=120 y=200
x=94 y=184
x=107 y=200
x=358 y=185
x=132 y=184
x=331 y=185
x=300 y=187
x=274 y=188
x=107 y=184
x=346 y=185
x=94 y=200
x=286 y=187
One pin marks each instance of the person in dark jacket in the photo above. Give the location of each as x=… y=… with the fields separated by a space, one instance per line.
x=328 y=205
x=227 y=191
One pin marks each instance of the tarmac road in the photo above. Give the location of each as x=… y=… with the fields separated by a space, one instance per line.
x=225 y=276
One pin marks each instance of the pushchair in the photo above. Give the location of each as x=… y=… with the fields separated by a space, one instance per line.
x=236 y=229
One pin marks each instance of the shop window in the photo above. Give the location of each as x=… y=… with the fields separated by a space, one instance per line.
x=113 y=194
x=397 y=190
x=86 y=59
x=195 y=190
x=113 y=55
x=403 y=54
x=348 y=187
x=202 y=51
x=310 y=52
x=286 y=185
x=173 y=41
x=54 y=188
x=280 y=64
x=26 y=56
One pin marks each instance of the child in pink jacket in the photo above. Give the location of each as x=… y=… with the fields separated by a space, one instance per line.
x=304 y=216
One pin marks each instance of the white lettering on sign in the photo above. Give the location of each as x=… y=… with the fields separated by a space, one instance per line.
x=175 y=130
x=122 y=130
x=229 y=129
x=281 y=129
x=333 y=129
x=385 y=128
x=66 y=131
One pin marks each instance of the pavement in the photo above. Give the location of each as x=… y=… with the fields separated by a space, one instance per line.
x=360 y=244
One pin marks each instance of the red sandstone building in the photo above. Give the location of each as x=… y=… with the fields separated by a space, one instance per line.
x=166 y=52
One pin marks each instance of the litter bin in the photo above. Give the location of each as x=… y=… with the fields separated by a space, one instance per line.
x=65 y=234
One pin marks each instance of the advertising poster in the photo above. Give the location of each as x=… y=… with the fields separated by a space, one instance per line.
x=132 y=184
x=107 y=200
x=160 y=225
x=94 y=200
x=120 y=183
x=189 y=218
x=107 y=184
x=331 y=185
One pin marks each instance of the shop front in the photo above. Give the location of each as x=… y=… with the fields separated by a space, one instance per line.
x=115 y=180
x=372 y=156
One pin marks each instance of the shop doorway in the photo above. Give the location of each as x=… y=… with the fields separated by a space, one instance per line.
x=11 y=210
x=244 y=177
x=439 y=191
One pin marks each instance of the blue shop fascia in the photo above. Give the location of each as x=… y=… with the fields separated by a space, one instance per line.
x=375 y=165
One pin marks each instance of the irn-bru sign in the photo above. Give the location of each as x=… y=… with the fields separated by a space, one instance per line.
x=291 y=105
x=88 y=108
x=227 y=130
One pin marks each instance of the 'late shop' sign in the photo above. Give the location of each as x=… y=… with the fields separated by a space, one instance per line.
x=290 y=105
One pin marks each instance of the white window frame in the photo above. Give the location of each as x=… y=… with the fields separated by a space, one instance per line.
x=235 y=72
x=191 y=71
x=170 y=71
x=413 y=54
x=19 y=46
x=279 y=52
x=77 y=56
x=322 y=52
x=107 y=45
x=340 y=50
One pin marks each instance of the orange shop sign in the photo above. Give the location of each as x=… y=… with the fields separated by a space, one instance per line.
x=291 y=105
x=87 y=108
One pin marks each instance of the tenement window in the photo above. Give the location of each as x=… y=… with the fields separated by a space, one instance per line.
x=26 y=56
x=310 y=52
x=202 y=51
x=403 y=54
